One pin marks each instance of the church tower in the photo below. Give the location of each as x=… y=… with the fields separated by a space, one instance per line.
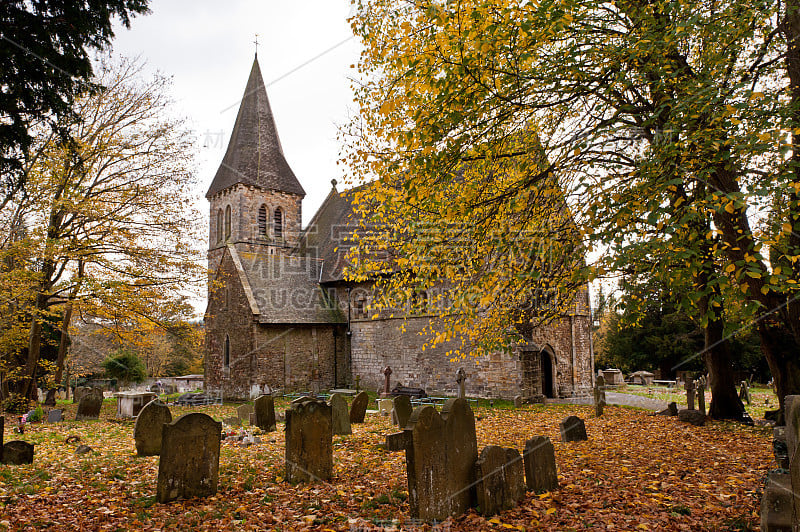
x=255 y=197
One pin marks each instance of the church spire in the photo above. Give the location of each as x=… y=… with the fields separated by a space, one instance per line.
x=254 y=155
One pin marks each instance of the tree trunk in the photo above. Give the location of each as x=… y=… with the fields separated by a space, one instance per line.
x=62 y=355
x=28 y=384
x=725 y=402
x=780 y=348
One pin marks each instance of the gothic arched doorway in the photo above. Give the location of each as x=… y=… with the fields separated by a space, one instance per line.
x=547 y=373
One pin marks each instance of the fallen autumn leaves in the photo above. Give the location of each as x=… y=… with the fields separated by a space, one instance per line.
x=636 y=472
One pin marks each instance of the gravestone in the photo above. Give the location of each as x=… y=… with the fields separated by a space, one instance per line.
x=244 y=412
x=776 y=503
x=701 y=396
x=440 y=460
x=17 y=452
x=264 y=408
x=573 y=429
x=690 y=393
x=671 y=410
x=90 y=405
x=385 y=407
x=232 y=421
x=309 y=442
x=599 y=396
x=540 y=465
x=517 y=401
x=695 y=417
x=340 y=417
x=387 y=372
x=148 y=429
x=461 y=379
x=402 y=410
x=359 y=407
x=80 y=391
x=779 y=447
x=189 y=462
x=55 y=416
x=744 y=392
x=499 y=479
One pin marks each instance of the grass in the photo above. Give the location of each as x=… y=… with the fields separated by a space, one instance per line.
x=762 y=398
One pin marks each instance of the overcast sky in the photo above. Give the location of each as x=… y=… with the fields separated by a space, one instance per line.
x=305 y=51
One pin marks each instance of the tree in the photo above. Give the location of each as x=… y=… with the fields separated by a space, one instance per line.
x=44 y=65
x=125 y=367
x=110 y=217
x=660 y=120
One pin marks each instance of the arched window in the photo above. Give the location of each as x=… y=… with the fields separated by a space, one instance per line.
x=262 y=221
x=278 y=223
x=226 y=353
x=219 y=225
x=227 y=222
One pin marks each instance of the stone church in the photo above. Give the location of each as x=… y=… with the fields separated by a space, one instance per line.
x=280 y=312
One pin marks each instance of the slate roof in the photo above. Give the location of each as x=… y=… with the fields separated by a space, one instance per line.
x=285 y=289
x=254 y=155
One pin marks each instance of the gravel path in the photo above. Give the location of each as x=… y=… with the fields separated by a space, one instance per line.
x=616 y=398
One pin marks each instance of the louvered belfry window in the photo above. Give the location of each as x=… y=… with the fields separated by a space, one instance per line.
x=278 y=223
x=262 y=221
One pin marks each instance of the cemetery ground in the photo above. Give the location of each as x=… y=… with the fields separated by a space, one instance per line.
x=636 y=472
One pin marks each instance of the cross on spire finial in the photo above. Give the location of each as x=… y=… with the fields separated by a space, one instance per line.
x=256 y=43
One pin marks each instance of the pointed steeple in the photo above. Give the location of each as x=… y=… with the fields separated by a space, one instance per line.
x=254 y=155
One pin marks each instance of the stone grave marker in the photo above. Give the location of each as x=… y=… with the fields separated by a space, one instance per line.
x=499 y=479
x=359 y=407
x=232 y=421
x=440 y=460
x=694 y=417
x=189 y=462
x=90 y=405
x=402 y=410
x=701 y=396
x=690 y=393
x=776 y=503
x=55 y=416
x=461 y=379
x=340 y=417
x=779 y=447
x=148 y=429
x=599 y=396
x=80 y=391
x=264 y=408
x=671 y=410
x=244 y=412
x=385 y=407
x=744 y=392
x=17 y=452
x=540 y=465
x=518 y=401
x=309 y=442
x=387 y=373
x=573 y=429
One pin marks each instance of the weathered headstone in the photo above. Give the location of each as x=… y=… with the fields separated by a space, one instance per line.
x=189 y=462
x=517 y=401
x=340 y=417
x=440 y=460
x=402 y=410
x=599 y=396
x=695 y=417
x=671 y=410
x=90 y=405
x=690 y=393
x=148 y=428
x=461 y=379
x=232 y=421
x=264 y=407
x=791 y=404
x=83 y=449
x=244 y=412
x=385 y=407
x=80 y=391
x=573 y=429
x=499 y=479
x=387 y=373
x=779 y=447
x=17 y=452
x=744 y=392
x=359 y=407
x=776 y=503
x=55 y=416
x=701 y=396
x=309 y=442
x=540 y=465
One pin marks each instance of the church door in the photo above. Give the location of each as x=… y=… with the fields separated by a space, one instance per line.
x=547 y=374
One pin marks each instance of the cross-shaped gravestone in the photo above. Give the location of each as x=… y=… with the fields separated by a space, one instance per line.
x=461 y=378
x=387 y=373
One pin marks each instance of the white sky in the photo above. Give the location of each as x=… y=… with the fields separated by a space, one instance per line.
x=207 y=46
